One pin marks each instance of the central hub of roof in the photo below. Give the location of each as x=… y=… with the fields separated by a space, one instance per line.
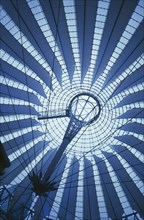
x=85 y=107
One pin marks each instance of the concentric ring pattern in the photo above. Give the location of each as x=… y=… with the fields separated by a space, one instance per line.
x=52 y=51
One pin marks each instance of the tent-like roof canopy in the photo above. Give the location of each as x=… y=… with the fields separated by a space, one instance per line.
x=72 y=109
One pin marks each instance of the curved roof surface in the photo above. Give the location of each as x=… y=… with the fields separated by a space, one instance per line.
x=51 y=52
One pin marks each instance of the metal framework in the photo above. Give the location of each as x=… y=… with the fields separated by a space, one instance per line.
x=72 y=109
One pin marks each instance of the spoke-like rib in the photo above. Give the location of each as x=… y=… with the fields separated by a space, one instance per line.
x=133 y=24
